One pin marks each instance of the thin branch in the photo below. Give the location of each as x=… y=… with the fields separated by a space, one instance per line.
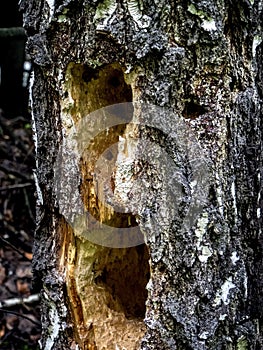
x=12 y=170
x=11 y=187
x=19 y=301
x=15 y=248
x=21 y=315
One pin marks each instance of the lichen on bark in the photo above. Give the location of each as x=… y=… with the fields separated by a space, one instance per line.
x=204 y=61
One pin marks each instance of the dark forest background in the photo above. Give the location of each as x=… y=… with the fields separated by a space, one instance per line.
x=19 y=302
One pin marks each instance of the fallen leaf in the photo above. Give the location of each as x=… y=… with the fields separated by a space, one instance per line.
x=23 y=287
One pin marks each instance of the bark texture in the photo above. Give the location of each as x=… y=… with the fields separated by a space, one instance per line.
x=203 y=59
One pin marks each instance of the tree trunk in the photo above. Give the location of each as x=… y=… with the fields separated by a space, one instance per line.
x=163 y=249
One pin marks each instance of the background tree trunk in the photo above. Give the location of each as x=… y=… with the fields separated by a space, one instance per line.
x=204 y=284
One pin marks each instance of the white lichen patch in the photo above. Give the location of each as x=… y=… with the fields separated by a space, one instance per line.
x=234 y=258
x=33 y=121
x=54 y=327
x=135 y=9
x=222 y=317
x=245 y=284
x=106 y=9
x=209 y=25
x=206 y=253
x=193 y=185
x=204 y=335
x=259 y=200
x=203 y=247
x=51 y=4
x=256 y=41
x=40 y=200
x=233 y=193
x=219 y=195
x=223 y=294
x=201 y=229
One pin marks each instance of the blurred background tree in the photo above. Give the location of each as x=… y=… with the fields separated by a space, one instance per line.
x=14 y=65
x=19 y=325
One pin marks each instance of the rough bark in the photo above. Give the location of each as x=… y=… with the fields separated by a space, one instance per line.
x=203 y=59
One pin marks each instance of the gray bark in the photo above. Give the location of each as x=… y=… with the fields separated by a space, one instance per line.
x=204 y=283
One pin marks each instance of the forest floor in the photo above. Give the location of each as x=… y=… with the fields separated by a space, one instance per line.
x=19 y=304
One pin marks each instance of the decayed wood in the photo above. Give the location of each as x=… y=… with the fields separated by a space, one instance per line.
x=204 y=60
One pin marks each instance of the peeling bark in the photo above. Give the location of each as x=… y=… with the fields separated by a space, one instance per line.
x=204 y=284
